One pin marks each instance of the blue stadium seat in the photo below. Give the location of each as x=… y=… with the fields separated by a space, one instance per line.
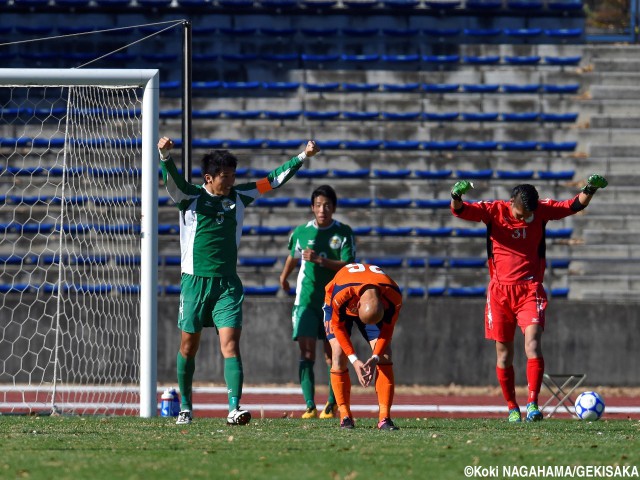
x=401 y=144
x=203 y=30
x=359 y=58
x=432 y=203
x=560 y=233
x=480 y=116
x=154 y=3
x=257 y=261
x=441 y=59
x=262 y=230
x=321 y=87
x=526 y=5
x=285 y=145
x=239 y=31
x=520 y=117
x=360 y=32
x=391 y=174
x=441 y=116
x=330 y=115
x=561 y=89
x=440 y=87
x=518 y=146
x=522 y=32
x=402 y=117
x=239 y=57
x=329 y=144
x=482 y=145
x=362 y=144
x=560 y=292
x=479 y=174
x=439 y=145
x=385 y=262
x=393 y=231
x=392 y=202
x=483 y=33
x=156 y=57
x=401 y=88
x=312 y=173
x=270 y=290
x=436 y=291
x=15 y=288
x=434 y=232
x=194 y=113
x=289 y=115
x=240 y=85
x=470 y=232
x=360 y=87
x=441 y=32
x=272 y=201
x=467 y=291
x=559 y=117
x=481 y=88
x=467 y=262
x=210 y=143
x=279 y=4
x=360 y=115
x=308 y=57
x=558 y=146
x=559 y=262
x=572 y=60
x=353 y=202
x=280 y=57
x=514 y=174
x=360 y=4
x=278 y=32
x=400 y=4
x=433 y=174
x=75 y=3
x=362 y=231
x=319 y=4
x=442 y=5
x=564 y=33
x=407 y=58
x=319 y=32
x=565 y=6
x=481 y=59
x=483 y=5
x=401 y=32
x=248 y=143
x=522 y=60
x=281 y=86
x=561 y=175
x=242 y=114
x=359 y=173
x=34 y=29
x=528 y=88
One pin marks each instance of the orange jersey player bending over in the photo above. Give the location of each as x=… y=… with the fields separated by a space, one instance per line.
x=364 y=296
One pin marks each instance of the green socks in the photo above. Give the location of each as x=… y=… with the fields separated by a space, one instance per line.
x=185 y=368
x=307 y=381
x=233 y=377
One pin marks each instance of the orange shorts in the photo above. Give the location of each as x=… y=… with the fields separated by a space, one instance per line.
x=509 y=306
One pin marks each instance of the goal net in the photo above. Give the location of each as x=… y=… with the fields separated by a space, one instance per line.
x=78 y=243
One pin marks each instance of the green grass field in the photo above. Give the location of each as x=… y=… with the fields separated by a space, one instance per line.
x=434 y=448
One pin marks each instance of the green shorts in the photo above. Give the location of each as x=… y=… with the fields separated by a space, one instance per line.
x=210 y=302
x=307 y=322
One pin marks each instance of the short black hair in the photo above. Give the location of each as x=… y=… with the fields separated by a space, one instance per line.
x=325 y=191
x=527 y=194
x=215 y=160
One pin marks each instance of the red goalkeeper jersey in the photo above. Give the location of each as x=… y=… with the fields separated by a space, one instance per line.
x=516 y=248
x=342 y=297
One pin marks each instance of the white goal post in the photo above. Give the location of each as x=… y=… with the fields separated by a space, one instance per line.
x=78 y=163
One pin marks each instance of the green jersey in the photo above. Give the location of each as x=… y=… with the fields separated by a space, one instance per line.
x=334 y=242
x=211 y=225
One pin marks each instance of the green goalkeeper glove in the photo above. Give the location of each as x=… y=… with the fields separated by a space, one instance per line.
x=460 y=188
x=594 y=182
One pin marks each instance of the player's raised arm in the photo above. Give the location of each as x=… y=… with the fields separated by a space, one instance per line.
x=165 y=144
x=459 y=189
x=311 y=149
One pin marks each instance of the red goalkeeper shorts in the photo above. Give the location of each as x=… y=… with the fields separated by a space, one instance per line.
x=509 y=306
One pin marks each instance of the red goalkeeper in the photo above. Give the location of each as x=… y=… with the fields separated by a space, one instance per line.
x=515 y=295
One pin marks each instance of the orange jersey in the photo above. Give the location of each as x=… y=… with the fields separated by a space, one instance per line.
x=342 y=297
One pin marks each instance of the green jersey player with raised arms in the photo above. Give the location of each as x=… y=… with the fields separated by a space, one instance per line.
x=325 y=246
x=211 y=218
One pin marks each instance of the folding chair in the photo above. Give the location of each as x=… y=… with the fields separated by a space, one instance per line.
x=561 y=392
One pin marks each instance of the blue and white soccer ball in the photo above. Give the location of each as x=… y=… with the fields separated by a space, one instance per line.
x=589 y=406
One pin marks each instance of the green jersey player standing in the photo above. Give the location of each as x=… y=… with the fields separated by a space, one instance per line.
x=211 y=218
x=325 y=246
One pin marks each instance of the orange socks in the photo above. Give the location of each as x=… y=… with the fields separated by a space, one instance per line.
x=385 y=387
x=341 y=384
